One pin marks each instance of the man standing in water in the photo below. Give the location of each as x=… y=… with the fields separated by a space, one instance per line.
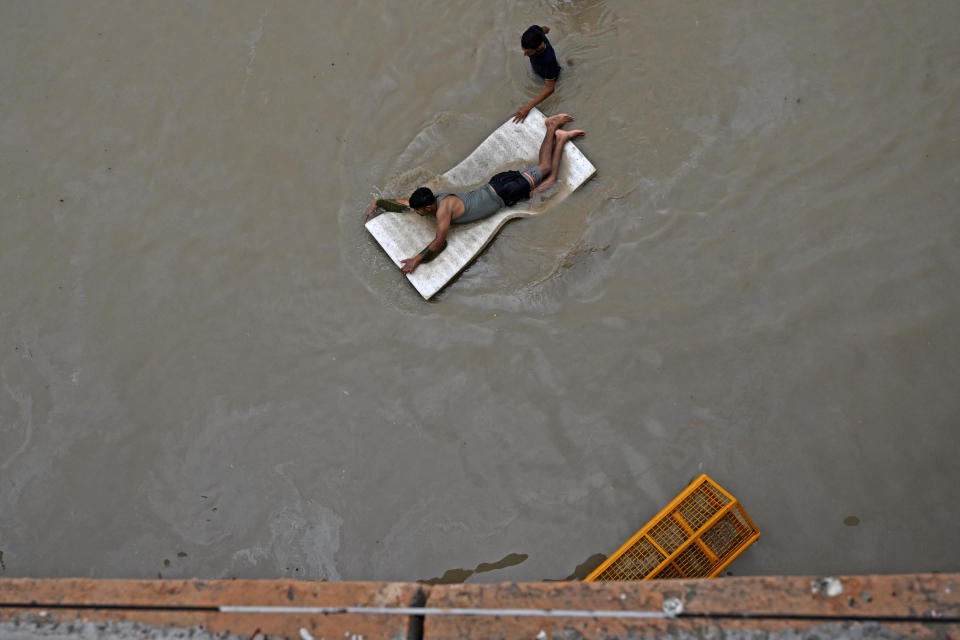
x=503 y=190
x=543 y=61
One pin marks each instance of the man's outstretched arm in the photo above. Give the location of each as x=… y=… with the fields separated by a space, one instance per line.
x=438 y=244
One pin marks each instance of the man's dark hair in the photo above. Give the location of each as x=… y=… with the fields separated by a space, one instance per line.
x=532 y=38
x=421 y=198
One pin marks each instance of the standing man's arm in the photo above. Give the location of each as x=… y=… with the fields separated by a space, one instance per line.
x=524 y=111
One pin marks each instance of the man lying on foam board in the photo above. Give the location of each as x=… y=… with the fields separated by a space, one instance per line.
x=503 y=190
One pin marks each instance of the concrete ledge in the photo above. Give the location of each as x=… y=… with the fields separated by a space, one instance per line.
x=194 y=603
x=921 y=605
x=711 y=608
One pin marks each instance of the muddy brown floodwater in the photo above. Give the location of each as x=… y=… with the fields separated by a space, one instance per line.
x=208 y=368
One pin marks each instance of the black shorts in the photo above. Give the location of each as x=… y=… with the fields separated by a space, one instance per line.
x=511 y=186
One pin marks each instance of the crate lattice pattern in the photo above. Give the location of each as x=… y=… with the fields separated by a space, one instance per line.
x=696 y=536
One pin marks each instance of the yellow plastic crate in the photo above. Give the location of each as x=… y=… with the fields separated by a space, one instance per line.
x=695 y=536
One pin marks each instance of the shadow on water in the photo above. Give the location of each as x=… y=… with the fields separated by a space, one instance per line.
x=457 y=576
x=582 y=570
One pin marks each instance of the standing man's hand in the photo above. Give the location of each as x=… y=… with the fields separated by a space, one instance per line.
x=370 y=209
x=524 y=111
x=409 y=264
x=521 y=114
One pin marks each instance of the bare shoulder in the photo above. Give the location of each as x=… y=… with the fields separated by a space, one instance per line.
x=451 y=203
x=449 y=209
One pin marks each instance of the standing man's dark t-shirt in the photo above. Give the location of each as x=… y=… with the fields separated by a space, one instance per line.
x=545 y=63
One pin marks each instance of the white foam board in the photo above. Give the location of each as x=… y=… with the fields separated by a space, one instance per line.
x=403 y=235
